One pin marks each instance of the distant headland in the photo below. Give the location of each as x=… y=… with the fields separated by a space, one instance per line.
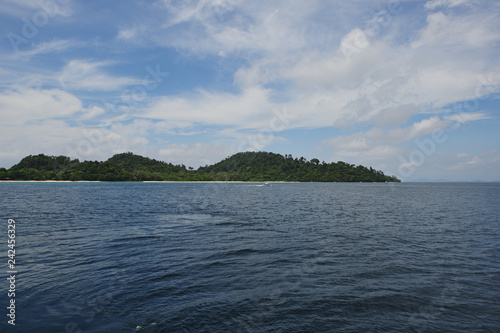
x=246 y=166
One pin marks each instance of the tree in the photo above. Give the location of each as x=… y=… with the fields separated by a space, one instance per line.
x=257 y=166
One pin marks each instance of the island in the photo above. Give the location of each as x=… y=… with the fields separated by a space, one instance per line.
x=245 y=166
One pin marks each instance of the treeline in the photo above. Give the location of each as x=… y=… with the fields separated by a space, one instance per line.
x=248 y=166
x=262 y=166
x=120 y=167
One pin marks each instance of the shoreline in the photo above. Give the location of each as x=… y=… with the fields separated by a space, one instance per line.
x=146 y=181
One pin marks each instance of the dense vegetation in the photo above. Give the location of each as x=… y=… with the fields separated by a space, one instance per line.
x=121 y=167
x=248 y=166
x=262 y=166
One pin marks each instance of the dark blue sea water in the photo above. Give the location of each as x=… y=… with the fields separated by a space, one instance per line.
x=183 y=257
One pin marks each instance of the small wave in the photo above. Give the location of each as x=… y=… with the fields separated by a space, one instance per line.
x=141 y=328
x=118 y=241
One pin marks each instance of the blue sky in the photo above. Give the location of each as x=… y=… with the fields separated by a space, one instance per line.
x=407 y=87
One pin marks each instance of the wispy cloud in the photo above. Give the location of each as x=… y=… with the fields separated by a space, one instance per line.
x=89 y=75
x=52 y=47
x=377 y=146
x=20 y=8
x=365 y=141
x=445 y=3
x=466 y=117
x=466 y=162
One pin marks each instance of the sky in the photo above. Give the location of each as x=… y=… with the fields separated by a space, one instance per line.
x=411 y=88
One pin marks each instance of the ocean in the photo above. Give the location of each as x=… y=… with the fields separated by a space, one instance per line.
x=237 y=257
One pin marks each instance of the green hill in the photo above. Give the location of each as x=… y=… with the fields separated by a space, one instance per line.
x=263 y=166
x=248 y=166
x=120 y=167
x=144 y=168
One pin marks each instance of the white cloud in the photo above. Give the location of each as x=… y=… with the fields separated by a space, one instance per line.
x=29 y=8
x=375 y=154
x=20 y=106
x=92 y=112
x=137 y=34
x=88 y=75
x=234 y=26
x=451 y=33
x=250 y=109
x=36 y=121
x=483 y=165
x=445 y=3
x=466 y=117
x=52 y=137
x=377 y=146
x=385 y=81
x=127 y=33
x=57 y=137
x=466 y=162
x=21 y=3
x=365 y=141
x=255 y=28
x=195 y=154
x=417 y=130
x=53 y=46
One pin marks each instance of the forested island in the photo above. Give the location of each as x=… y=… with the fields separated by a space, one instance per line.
x=247 y=166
